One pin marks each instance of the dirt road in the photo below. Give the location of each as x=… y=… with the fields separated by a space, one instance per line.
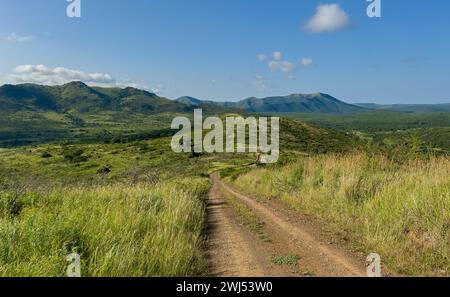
x=298 y=245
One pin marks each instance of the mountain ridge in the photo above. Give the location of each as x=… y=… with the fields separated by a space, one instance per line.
x=310 y=103
x=79 y=97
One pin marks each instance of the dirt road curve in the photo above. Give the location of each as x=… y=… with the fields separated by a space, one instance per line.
x=234 y=250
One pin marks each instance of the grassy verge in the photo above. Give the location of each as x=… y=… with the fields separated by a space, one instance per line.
x=119 y=230
x=401 y=211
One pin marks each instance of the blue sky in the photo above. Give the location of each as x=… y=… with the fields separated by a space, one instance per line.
x=224 y=49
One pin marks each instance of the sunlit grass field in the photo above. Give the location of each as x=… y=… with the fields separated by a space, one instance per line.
x=401 y=211
x=118 y=230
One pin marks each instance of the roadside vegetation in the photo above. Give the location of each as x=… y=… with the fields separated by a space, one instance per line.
x=400 y=210
x=119 y=230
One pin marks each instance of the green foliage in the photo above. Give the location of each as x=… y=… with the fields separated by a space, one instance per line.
x=300 y=137
x=119 y=230
x=74 y=155
x=46 y=155
x=387 y=129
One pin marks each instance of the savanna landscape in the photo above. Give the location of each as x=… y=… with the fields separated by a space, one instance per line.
x=178 y=144
x=99 y=182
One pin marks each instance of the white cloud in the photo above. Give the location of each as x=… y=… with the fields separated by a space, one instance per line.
x=307 y=62
x=42 y=74
x=13 y=37
x=277 y=56
x=261 y=57
x=277 y=64
x=328 y=18
x=283 y=66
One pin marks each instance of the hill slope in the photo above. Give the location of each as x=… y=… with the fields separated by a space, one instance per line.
x=78 y=97
x=318 y=103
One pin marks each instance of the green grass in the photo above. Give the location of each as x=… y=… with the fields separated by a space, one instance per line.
x=119 y=230
x=144 y=216
x=288 y=260
x=398 y=210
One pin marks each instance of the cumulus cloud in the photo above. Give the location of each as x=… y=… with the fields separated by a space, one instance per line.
x=328 y=18
x=276 y=64
x=283 y=66
x=307 y=62
x=13 y=37
x=42 y=74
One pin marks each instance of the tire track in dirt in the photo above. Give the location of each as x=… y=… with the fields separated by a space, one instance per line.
x=234 y=251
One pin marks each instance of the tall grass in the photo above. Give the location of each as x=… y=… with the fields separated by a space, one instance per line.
x=119 y=230
x=401 y=211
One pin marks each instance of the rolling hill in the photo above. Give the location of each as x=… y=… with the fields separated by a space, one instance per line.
x=315 y=103
x=78 y=113
x=78 y=97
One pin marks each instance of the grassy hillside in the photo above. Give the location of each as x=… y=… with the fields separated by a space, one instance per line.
x=387 y=127
x=76 y=112
x=78 y=97
x=313 y=139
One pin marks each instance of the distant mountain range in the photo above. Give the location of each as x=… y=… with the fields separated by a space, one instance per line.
x=81 y=98
x=409 y=108
x=313 y=103
x=307 y=103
